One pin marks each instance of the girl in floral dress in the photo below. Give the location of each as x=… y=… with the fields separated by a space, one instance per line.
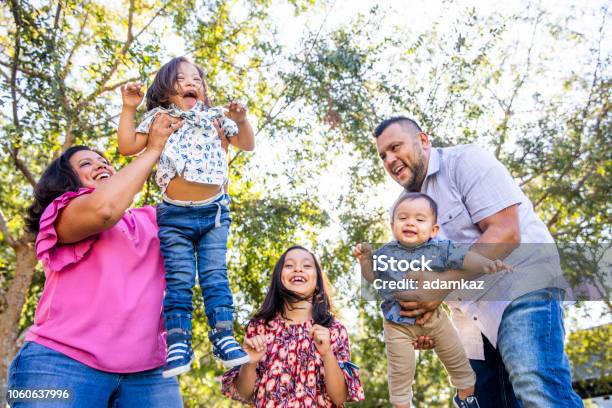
x=299 y=352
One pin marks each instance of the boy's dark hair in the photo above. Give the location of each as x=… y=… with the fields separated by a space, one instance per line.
x=405 y=122
x=278 y=295
x=164 y=84
x=415 y=196
x=57 y=179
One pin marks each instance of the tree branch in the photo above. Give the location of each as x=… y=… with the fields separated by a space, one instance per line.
x=77 y=43
x=13 y=147
x=28 y=71
x=58 y=12
x=5 y=231
x=22 y=167
x=508 y=111
x=129 y=40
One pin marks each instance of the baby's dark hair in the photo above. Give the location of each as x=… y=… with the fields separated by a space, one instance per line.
x=164 y=84
x=415 y=196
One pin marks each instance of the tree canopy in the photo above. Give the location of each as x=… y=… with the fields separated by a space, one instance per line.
x=532 y=84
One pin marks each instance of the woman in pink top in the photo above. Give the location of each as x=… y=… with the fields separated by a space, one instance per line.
x=98 y=328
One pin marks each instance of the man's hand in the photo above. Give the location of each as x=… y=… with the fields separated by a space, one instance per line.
x=424 y=343
x=131 y=94
x=236 y=112
x=422 y=311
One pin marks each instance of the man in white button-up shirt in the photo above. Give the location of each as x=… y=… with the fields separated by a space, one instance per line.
x=514 y=339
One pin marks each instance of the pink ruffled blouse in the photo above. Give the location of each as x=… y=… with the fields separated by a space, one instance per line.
x=291 y=374
x=102 y=300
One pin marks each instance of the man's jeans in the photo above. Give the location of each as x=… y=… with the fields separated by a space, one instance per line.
x=39 y=367
x=529 y=355
x=185 y=231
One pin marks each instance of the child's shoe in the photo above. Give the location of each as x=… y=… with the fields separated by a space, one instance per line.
x=469 y=402
x=178 y=360
x=178 y=338
x=227 y=349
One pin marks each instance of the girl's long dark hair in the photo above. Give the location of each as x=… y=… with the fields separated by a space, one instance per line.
x=164 y=84
x=58 y=178
x=278 y=295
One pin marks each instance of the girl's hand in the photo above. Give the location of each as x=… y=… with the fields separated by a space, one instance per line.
x=131 y=94
x=321 y=338
x=255 y=347
x=363 y=252
x=236 y=112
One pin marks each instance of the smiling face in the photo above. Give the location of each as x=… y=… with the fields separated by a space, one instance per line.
x=189 y=87
x=299 y=272
x=91 y=168
x=405 y=154
x=414 y=222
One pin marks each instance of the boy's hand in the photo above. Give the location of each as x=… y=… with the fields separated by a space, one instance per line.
x=363 y=252
x=321 y=339
x=236 y=112
x=255 y=347
x=495 y=266
x=131 y=94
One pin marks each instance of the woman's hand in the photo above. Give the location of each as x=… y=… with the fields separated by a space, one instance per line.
x=221 y=133
x=161 y=128
x=236 y=112
x=321 y=338
x=255 y=347
x=131 y=94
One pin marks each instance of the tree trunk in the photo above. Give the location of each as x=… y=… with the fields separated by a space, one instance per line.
x=15 y=299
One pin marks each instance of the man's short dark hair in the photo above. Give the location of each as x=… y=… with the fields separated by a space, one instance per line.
x=405 y=122
x=406 y=196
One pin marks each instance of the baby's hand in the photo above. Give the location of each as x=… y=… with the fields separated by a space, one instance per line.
x=131 y=94
x=236 y=112
x=362 y=252
x=495 y=266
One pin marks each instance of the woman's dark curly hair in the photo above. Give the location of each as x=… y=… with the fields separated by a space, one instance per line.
x=58 y=178
x=278 y=295
x=164 y=84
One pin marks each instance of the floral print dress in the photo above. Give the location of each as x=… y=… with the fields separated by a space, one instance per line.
x=291 y=373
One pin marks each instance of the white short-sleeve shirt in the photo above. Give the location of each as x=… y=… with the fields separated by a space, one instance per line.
x=194 y=150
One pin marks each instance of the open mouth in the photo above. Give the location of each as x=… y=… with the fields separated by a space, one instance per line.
x=190 y=98
x=102 y=176
x=297 y=280
x=398 y=168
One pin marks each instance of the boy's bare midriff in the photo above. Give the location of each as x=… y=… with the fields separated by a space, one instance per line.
x=183 y=190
